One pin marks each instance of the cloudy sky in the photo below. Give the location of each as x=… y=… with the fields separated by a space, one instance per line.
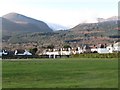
x=65 y=12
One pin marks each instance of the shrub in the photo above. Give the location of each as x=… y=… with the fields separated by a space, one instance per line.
x=96 y=55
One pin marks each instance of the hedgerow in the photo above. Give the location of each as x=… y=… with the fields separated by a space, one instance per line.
x=97 y=55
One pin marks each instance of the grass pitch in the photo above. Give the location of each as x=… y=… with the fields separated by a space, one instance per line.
x=61 y=73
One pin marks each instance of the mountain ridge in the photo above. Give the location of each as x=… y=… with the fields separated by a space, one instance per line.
x=24 y=22
x=81 y=34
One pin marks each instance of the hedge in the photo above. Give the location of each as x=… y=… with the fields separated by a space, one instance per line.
x=97 y=55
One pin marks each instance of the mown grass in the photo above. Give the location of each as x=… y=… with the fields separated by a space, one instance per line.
x=0 y=73
x=61 y=73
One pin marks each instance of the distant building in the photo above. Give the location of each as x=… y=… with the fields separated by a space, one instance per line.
x=94 y=49
x=22 y=52
x=116 y=47
x=3 y=52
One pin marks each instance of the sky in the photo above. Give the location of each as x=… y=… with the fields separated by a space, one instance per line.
x=64 y=12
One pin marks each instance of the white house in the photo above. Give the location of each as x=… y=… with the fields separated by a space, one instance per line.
x=102 y=50
x=22 y=53
x=54 y=53
x=79 y=50
x=94 y=49
x=4 y=52
x=116 y=47
x=65 y=52
x=110 y=48
x=50 y=53
x=86 y=49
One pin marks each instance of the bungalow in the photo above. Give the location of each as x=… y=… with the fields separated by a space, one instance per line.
x=77 y=50
x=64 y=51
x=4 y=52
x=22 y=52
x=116 y=47
x=105 y=49
x=110 y=48
x=94 y=49
x=51 y=52
x=54 y=53
x=86 y=49
x=102 y=49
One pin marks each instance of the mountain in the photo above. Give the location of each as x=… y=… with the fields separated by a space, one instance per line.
x=19 y=23
x=57 y=27
x=113 y=18
x=105 y=26
x=103 y=32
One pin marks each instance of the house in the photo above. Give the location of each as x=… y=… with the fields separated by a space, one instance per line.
x=105 y=49
x=113 y=48
x=64 y=51
x=54 y=53
x=116 y=47
x=94 y=49
x=22 y=52
x=110 y=48
x=79 y=50
x=51 y=52
x=4 y=52
x=86 y=49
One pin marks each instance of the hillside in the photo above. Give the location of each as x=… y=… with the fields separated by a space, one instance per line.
x=14 y=22
x=102 y=32
x=106 y=28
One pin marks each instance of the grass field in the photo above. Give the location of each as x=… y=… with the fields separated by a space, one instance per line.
x=61 y=73
x=0 y=73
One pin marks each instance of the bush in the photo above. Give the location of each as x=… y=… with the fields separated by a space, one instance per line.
x=96 y=55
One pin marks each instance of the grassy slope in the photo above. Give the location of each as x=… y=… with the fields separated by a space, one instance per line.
x=83 y=73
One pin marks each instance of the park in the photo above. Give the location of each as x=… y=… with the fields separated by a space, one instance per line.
x=73 y=72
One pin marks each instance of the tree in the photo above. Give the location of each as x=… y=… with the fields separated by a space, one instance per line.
x=33 y=50
x=66 y=46
x=50 y=46
x=102 y=46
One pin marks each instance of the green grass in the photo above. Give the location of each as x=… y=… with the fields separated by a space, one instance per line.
x=61 y=73
x=0 y=73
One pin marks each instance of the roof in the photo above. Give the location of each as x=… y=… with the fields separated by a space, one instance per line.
x=117 y=44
